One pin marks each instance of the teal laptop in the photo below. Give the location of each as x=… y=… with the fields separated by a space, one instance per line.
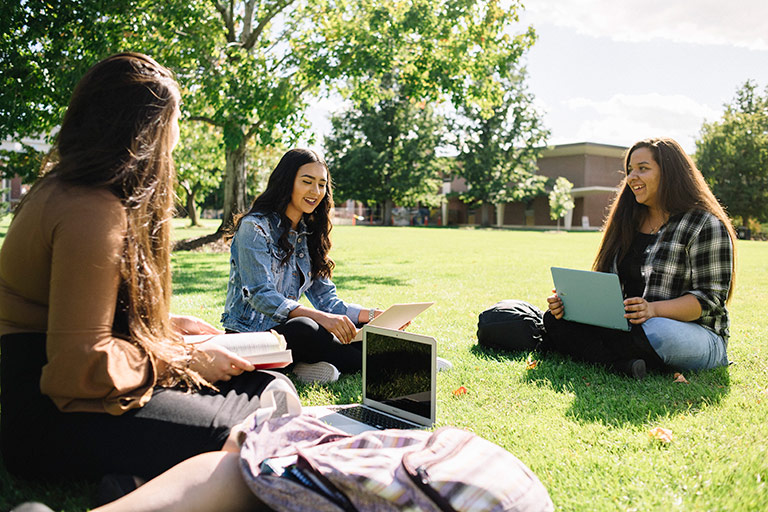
x=592 y=298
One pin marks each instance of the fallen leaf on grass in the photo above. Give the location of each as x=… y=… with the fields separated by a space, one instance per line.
x=663 y=435
x=461 y=390
x=531 y=364
x=680 y=378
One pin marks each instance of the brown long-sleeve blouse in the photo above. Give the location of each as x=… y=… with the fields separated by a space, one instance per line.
x=59 y=275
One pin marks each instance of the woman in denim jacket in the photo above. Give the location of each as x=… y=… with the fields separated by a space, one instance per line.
x=672 y=246
x=279 y=253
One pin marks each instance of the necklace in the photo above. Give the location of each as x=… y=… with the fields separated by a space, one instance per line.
x=652 y=229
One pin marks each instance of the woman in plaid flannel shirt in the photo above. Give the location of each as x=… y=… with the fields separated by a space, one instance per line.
x=672 y=245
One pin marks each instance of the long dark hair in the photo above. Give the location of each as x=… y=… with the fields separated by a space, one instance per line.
x=276 y=198
x=118 y=134
x=681 y=188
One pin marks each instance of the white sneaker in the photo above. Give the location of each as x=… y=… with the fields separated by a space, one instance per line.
x=443 y=365
x=321 y=373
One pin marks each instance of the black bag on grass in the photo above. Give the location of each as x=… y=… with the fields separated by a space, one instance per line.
x=513 y=325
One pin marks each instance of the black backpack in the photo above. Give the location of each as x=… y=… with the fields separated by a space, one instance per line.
x=513 y=325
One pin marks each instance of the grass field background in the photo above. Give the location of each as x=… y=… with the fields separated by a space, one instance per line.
x=582 y=430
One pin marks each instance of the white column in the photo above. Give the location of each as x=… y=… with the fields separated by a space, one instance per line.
x=568 y=218
x=444 y=212
x=500 y=214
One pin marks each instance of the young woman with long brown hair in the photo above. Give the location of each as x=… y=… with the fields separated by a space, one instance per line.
x=672 y=246
x=96 y=377
x=279 y=253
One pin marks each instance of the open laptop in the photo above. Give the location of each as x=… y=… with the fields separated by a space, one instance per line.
x=592 y=298
x=399 y=384
x=396 y=316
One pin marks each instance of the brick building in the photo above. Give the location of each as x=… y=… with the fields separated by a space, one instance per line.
x=594 y=169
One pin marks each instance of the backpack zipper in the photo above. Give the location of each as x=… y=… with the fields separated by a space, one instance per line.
x=422 y=479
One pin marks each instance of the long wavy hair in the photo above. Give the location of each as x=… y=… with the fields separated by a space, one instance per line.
x=276 y=198
x=118 y=134
x=681 y=188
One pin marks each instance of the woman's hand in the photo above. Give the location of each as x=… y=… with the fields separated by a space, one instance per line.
x=555 y=304
x=638 y=310
x=216 y=363
x=186 y=324
x=338 y=325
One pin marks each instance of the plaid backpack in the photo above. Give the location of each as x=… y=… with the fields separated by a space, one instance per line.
x=298 y=464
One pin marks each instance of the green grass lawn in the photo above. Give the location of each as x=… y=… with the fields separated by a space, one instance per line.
x=582 y=430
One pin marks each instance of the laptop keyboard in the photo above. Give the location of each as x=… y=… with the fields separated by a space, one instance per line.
x=374 y=418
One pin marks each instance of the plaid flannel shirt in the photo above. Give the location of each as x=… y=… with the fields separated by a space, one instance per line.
x=692 y=254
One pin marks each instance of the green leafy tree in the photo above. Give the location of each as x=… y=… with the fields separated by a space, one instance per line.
x=45 y=47
x=24 y=162
x=249 y=68
x=732 y=154
x=560 y=200
x=384 y=154
x=499 y=145
x=199 y=165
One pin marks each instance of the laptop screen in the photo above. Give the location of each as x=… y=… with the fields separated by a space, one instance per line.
x=399 y=373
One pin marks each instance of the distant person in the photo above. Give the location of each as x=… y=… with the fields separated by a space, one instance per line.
x=280 y=253
x=96 y=377
x=672 y=246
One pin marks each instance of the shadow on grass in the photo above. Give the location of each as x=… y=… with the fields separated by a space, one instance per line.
x=604 y=397
x=65 y=495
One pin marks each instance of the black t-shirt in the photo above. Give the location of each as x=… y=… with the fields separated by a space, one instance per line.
x=629 y=267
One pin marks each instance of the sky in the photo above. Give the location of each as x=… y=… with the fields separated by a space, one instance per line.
x=617 y=71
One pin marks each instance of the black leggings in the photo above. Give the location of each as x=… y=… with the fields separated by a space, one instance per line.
x=600 y=345
x=310 y=342
x=39 y=441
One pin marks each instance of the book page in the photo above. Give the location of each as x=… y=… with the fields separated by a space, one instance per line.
x=243 y=343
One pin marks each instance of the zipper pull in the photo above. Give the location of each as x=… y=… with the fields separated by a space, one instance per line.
x=421 y=472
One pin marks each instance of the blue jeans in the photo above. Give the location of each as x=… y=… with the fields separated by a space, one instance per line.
x=685 y=345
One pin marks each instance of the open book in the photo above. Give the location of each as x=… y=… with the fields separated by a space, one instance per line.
x=263 y=349
x=396 y=316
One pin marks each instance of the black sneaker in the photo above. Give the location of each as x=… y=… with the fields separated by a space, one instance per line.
x=634 y=368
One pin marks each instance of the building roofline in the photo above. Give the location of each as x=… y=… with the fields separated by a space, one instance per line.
x=584 y=148
x=595 y=189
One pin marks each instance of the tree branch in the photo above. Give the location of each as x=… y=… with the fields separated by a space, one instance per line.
x=228 y=18
x=247 y=20
x=276 y=9
x=253 y=129
x=205 y=119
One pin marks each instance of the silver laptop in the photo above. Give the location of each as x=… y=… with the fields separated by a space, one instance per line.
x=399 y=384
x=592 y=298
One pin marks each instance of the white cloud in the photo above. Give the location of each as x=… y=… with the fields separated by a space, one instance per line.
x=738 y=23
x=623 y=119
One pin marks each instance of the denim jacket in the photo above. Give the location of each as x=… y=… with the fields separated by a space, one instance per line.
x=262 y=291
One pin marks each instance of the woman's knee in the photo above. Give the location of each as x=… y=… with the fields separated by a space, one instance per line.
x=301 y=323
x=685 y=345
x=303 y=330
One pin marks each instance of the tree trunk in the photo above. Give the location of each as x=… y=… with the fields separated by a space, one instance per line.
x=194 y=220
x=234 y=184
x=387 y=215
